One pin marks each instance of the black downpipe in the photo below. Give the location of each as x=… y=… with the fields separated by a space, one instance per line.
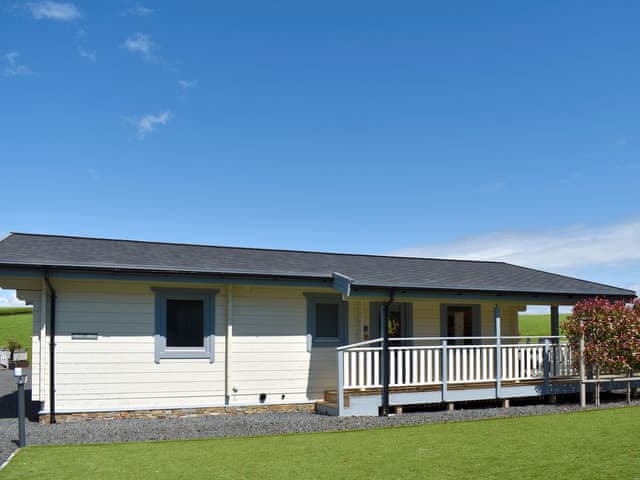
x=386 y=357
x=52 y=351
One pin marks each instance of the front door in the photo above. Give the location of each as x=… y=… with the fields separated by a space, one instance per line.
x=460 y=321
x=400 y=320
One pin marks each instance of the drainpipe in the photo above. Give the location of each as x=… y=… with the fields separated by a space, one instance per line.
x=386 y=377
x=52 y=354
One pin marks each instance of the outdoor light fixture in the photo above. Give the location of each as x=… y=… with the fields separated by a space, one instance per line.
x=21 y=380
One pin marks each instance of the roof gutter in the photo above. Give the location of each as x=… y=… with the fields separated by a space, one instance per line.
x=52 y=349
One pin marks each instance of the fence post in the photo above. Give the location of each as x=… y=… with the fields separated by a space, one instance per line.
x=547 y=365
x=496 y=313
x=444 y=370
x=583 y=385
x=340 y=391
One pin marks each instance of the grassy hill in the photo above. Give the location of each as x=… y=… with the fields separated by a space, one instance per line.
x=16 y=322
x=536 y=325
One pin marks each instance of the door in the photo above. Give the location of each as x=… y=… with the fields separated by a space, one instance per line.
x=460 y=321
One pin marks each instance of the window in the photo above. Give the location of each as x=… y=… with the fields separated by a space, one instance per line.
x=185 y=322
x=326 y=319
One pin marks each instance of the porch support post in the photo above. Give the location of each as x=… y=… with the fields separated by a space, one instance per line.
x=340 y=390
x=384 y=330
x=496 y=314
x=555 y=322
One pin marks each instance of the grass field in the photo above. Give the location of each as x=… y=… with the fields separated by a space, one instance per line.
x=536 y=325
x=595 y=444
x=16 y=322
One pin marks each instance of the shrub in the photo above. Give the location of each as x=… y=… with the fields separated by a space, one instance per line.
x=611 y=334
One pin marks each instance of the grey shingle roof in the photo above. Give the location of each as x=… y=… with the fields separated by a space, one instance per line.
x=52 y=251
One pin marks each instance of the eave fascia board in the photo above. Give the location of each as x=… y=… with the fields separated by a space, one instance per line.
x=541 y=298
x=153 y=276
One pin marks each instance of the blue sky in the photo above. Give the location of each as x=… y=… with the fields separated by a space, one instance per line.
x=501 y=130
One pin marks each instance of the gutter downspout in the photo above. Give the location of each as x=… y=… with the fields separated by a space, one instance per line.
x=52 y=353
x=386 y=377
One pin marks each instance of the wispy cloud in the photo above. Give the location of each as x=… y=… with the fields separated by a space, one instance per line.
x=138 y=11
x=59 y=12
x=148 y=123
x=187 y=84
x=576 y=247
x=13 y=67
x=87 y=54
x=8 y=298
x=141 y=44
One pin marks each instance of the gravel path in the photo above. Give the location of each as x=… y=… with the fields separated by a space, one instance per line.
x=98 y=431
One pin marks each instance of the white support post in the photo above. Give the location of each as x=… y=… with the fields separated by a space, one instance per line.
x=444 y=373
x=340 y=390
x=583 y=385
x=228 y=343
x=498 y=364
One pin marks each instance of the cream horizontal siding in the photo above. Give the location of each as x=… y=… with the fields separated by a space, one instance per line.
x=117 y=370
x=270 y=348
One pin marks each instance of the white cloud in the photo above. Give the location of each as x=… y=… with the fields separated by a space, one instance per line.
x=142 y=44
x=575 y=247
x=187 y=84
x=60 y=12
x=8 y=298
x=13 y=67
x=139 y=11
x=148 y=123
x=88 y=54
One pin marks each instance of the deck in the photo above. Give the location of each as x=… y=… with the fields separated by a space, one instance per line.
x=432 y=370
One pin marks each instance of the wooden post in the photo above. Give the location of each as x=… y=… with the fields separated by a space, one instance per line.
x=555 y=321
x=496 y=314
x=384 y=329
x=340 y=390
x=547 y=365
x=444 y=370
x=583 y=385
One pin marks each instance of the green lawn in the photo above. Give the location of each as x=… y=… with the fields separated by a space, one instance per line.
x=594 y=444
x=536 y=325
x=16 y=322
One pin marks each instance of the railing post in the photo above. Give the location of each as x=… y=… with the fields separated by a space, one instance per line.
x=444 y=370
x=496 y=313
x=385 y=360
x=583 y=385
x=340 y=390
x=546 y=362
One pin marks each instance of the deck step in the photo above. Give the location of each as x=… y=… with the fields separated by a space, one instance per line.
x=331 y=396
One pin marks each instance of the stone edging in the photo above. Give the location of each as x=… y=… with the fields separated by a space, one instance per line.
x=178 y=413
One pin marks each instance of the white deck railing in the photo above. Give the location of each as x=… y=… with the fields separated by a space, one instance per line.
x=420 y=361
x=4 y=357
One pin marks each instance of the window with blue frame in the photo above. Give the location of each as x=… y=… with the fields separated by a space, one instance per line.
x=327 y=319
x=184 y=323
